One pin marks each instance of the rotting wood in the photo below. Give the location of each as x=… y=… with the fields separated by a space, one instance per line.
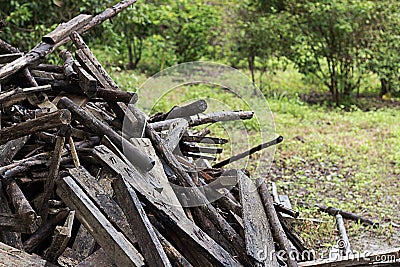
x=143 y=230
x=98 y=258
x=12 y=257
x=6 y=58
x=184 y=111
x=29 y=127
x=61 y=236
x=276 y=227
x=137 y=157
x=87 y=82
x=64 y=29
x=68 y=68
x=258 y=237
x=117 y=247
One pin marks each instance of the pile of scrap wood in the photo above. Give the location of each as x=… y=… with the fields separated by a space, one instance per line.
x=75 y=191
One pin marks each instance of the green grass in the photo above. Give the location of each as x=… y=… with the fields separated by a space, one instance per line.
x=348 y=160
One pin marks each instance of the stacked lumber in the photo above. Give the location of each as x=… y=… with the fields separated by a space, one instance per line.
x=76 y=191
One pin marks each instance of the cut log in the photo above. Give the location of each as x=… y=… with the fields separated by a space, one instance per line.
x=258 y=237
x=117 y=247
x=40 y=124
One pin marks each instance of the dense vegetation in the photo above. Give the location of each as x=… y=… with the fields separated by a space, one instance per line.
x=336 y=44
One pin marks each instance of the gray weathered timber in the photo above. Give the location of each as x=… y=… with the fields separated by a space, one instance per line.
x=149 y=244
x=258 y=237
x=117 y=247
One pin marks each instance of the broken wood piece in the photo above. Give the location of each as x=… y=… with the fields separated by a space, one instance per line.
x=44 y=231
x=87 y=82
x=137 y=157
x=12 y=257
x=16 y=223
x=10 y=149
x=258 y=237
x=348 y=215
x=64 y=29
x=117 y=96
x=9 y=98
x=206 y=140
x=117 y=247
x=68 y=63
x=40 y=124
x=85 y=61
x=343 y=243
x=276 y=228
x=61 y=236
x=6 y=58
x=176 y=131
x=283 y=209
x=73 y=152
x=104 y=202
x=53 y=172
x=199 y=149
x=140 y=224
x=248 y=152
x=84 y=244
x=184 y=111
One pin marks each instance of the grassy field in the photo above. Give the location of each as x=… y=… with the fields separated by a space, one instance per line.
x=345 y=159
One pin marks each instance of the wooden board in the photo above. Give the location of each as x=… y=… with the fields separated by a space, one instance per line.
x=191 y=239
x=13 y=257
x=258 y=236
x=117 y=247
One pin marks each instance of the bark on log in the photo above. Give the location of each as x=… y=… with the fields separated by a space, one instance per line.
x=40 y=124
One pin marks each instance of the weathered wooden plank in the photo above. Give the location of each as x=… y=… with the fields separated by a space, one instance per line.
x=106 y=204
x=258 y=237
x=117 y=247
x=175 y=133
x=12 y=257
x=15 y=223
x=140 y=224
x=61 y=236
x=190 y=237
